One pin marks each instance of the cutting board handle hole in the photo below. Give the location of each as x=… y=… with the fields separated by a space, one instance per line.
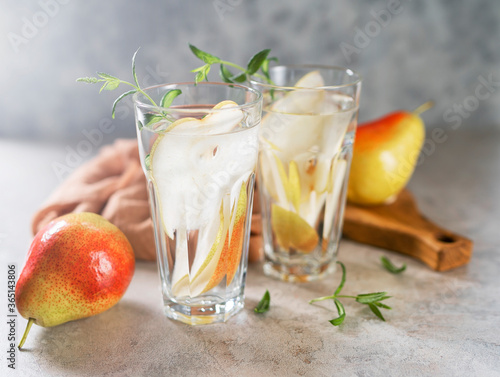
x=445 y=238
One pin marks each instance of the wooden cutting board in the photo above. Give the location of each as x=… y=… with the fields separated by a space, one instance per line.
x=401 y=227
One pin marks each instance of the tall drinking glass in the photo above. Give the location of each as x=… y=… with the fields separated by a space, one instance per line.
x=199 y=157
x=308 y=126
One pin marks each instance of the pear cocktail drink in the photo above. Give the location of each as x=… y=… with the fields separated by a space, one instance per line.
x=199 y=156
x=307 y=132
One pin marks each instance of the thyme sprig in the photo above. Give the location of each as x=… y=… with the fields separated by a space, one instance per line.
x=373 y=300
x=259 y=61
x=111 y=83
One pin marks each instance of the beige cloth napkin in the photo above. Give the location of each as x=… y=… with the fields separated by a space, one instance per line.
x=113 y=185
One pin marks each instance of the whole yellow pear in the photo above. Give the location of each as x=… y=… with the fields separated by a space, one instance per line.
x=384 y=157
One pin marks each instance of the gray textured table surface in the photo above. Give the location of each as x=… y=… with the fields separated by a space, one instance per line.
x=441 y=324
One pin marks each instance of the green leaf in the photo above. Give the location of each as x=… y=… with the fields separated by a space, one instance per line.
x=107 y=76
x=340 y=309
x=263 y=305
x=169 y=97
x=112 y=85
x=389 y=266
x=225 y=74
x=385 y=298
x=110 y=82
x=140 y=126
x=242 y=77
x=202 y=73
x=256 y=61
x=199 y=77
x=119 y=99
x=368 y=298
x=199 y=68
x=205 y=56
x=147 y=162
x=206 y=70
x=265 y=66
x=380 y=305
x=342 y=281
x=89 y=80
x=377 y=312
x=133 y=67
x=152 y=119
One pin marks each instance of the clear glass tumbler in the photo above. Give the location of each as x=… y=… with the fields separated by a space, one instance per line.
x=199 y=157
x=306 y=139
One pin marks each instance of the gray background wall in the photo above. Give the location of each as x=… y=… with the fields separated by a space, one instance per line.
x=411 y=51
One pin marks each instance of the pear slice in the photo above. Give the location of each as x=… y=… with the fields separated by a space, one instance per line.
x=214 y=123
x=291 y=230
x=225 y=254
x=312 y=79
x=231 y=253
x=303 y=101
x=236 y=236
x=205 y=264
x=335 y=184
x=294 y=185
x=274 y=178
x=210 y=244
x=289 y=125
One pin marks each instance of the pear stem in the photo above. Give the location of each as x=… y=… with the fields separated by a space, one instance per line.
x=25 y=335
x=424 y=107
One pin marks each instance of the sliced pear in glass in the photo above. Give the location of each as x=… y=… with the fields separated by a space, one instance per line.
x=208 y=251
x=289 y=123
x=219 y=122
x=182 y=161
x=295 y=188
x=175 y=164
x=334 y=188
x=274 y=181
x=302 y=101
x=205 y=264
x=294 y=185
x=283 y=187
x=311 y=209
x=183 y=124
x=290 y=133
x=304 y=132
x=223 y=121
x=209 y=238
x=312 y=79
x=292 y=231
x=231 y=253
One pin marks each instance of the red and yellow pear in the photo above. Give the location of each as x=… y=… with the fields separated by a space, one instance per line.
x=78 y=265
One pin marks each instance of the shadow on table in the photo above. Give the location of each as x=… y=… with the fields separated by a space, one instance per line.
x=104 y=340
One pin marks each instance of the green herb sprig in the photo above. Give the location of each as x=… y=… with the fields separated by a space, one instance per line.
x=264 y=303
x=373 y=300
x=389 y=266
x=111 y=83
x=259 y=61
